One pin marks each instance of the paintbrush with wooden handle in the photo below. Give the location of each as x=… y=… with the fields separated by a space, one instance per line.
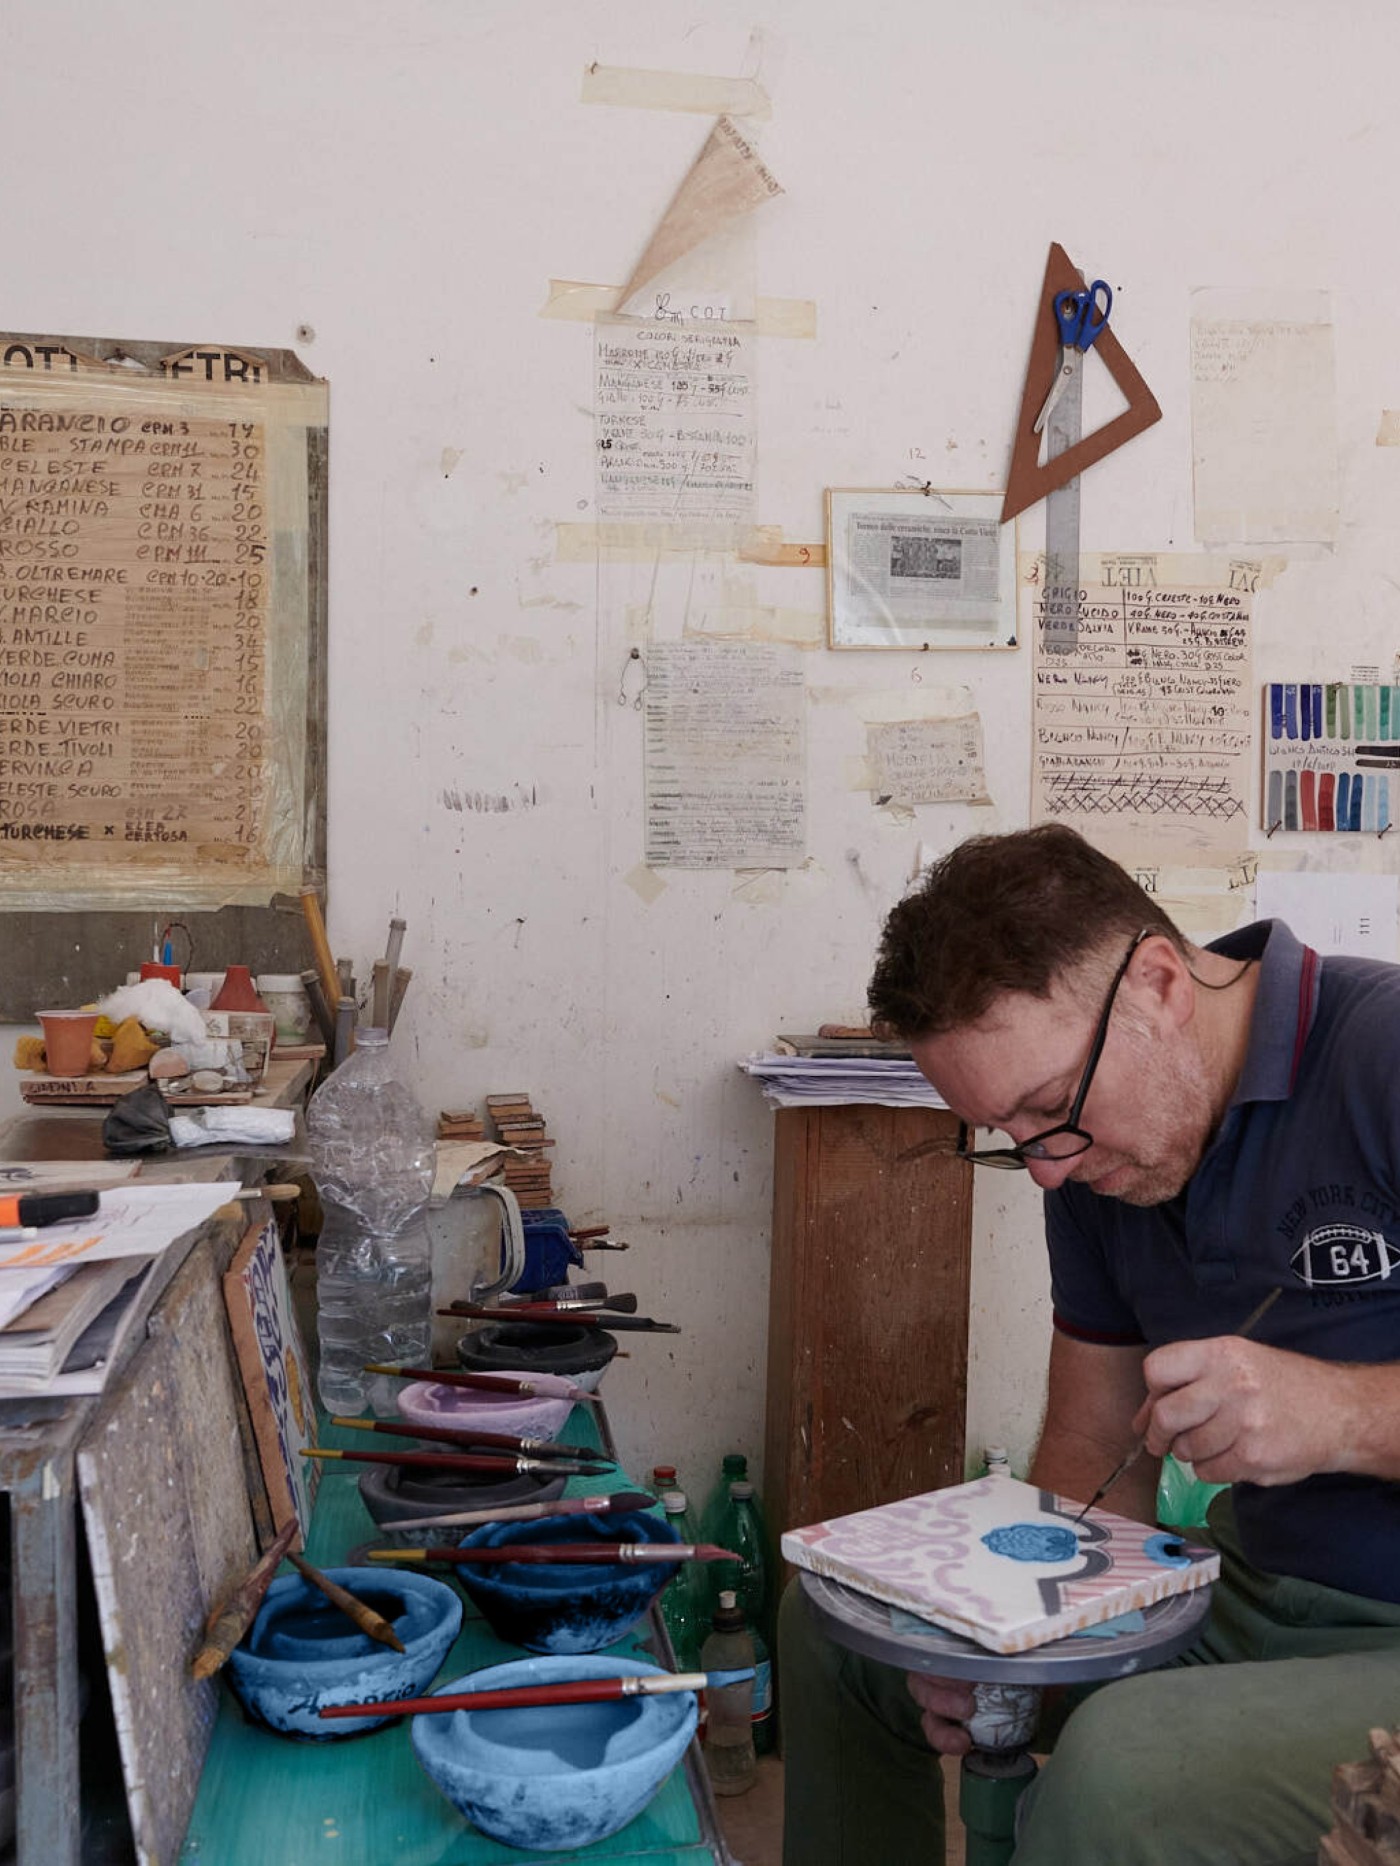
x=233 y=1615
x=1245 y=1329
x=529 y=1697
x=355 y=1610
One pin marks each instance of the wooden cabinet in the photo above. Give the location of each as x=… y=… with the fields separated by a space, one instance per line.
x=868 y=1316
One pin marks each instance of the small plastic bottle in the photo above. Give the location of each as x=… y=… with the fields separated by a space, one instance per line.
x=996 y=1461
x=729 y=1750
x=663 y=1478
x=372 y=1157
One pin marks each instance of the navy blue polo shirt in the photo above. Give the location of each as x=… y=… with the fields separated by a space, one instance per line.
x=1299 y=1188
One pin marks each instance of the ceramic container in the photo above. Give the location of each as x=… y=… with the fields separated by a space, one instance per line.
x=578 y=1354
x=302 y=1652
x=533 y=1416
x=67 y=1041
x=574 y=1607
x=558 y=1779
x=285 y=996
x=238 y=992
x=392 y=1495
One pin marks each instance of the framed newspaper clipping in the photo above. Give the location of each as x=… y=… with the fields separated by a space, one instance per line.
x=919 y=569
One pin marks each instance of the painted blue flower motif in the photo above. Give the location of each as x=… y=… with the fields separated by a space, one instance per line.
x=1042 y=1542
x=1169 y=1550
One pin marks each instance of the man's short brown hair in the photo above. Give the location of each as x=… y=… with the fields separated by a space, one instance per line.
x=997 y=915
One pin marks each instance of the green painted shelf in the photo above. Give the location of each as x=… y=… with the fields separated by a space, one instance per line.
x=266 y=1800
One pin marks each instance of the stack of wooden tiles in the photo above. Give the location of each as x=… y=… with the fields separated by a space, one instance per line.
x=520 y=1127
x=460 y=1124
x=1366 y=1808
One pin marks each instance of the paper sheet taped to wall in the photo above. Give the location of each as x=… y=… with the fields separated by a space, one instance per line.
x=724 y=756
x=1263 y=418
x=1143 y=723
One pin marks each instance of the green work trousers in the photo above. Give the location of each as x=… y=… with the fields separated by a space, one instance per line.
x=1223 y=1758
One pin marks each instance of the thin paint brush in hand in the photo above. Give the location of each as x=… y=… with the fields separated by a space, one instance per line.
x=1245 y=1329
x=233 y=1615
x=491 y=1463
x=358 y=1611
x=565 y=1554
x=485 y=1383
x=615 y=1503
x=460 y=1435
x=530 y=1697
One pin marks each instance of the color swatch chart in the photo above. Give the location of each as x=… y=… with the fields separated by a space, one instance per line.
x=1331 y=754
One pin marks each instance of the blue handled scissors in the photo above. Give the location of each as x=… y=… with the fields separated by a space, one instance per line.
x=1081 y=323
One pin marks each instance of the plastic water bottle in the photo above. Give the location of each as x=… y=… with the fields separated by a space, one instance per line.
x=372 y=1157
x=729 y=1751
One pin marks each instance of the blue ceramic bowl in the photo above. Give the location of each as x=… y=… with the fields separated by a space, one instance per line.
x=556 y=1779
x=302 y=1652
x=578 y=1607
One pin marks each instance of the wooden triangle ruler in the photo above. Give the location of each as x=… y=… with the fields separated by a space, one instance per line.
x=1028 y=481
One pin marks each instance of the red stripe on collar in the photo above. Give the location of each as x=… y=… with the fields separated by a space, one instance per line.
x=1307 y=1004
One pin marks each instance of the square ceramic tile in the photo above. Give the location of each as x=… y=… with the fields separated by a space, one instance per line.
x=1002 y=1562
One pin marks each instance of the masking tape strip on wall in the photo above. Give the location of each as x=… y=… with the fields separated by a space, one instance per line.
x=581 y=302
x=674 y=90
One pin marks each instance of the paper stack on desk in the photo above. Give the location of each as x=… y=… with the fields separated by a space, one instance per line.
x=41 y=1342
x=792 y=1081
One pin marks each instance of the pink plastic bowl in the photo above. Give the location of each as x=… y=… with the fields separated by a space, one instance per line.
x=427 y=1403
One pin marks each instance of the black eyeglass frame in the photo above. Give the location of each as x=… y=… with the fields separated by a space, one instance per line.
x=1012 y=1159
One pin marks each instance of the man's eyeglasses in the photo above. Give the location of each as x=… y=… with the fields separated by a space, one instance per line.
x=1068 y=1139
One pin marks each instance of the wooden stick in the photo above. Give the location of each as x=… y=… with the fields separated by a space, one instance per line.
x=363 y=1616
x=233 y=1615
x=320 y=944
x=379 y=994
x=403 y=975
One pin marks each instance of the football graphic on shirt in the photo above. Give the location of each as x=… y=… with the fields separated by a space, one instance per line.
x=1343 y=1254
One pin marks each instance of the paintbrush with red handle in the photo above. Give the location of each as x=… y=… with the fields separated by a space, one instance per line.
x=568 y=1305
x=485 y=1383
x=499 y=1463
x=615 y=1503
x=641 y=1323
x=459 y=1435
x=563 y=1553
x=527 y=1697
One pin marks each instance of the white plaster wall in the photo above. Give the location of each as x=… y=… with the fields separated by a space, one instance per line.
x=404 y=179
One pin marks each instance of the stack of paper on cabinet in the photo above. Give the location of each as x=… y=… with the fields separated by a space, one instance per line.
x=35 y=1345
x=1002 y=1562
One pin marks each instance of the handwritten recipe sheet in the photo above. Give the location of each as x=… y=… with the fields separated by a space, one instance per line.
x=1143 y=724
x=725 y=745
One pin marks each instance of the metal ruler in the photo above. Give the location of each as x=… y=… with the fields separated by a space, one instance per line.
x=1060 y=631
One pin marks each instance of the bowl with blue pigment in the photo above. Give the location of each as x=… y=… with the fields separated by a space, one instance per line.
x=539 y=1415
x=558 y=1778
x=302 y=1653
x=566 y=1607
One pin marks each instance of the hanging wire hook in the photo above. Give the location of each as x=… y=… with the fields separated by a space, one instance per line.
x=633 y=654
